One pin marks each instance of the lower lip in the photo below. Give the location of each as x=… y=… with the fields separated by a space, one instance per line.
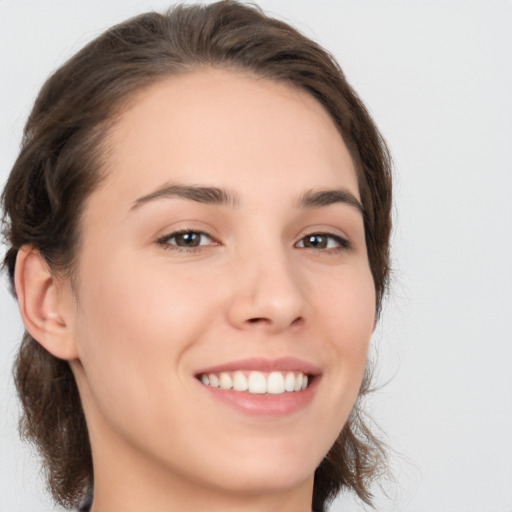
x=264 y=404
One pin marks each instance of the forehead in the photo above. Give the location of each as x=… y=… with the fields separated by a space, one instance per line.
x=229 y=129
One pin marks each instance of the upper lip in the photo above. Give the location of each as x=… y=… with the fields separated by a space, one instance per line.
x=261 y=364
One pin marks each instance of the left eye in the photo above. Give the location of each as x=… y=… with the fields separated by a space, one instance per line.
x=187 y=239
x=322 y=241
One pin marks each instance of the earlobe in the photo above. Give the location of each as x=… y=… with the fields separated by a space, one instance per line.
x=42 y=304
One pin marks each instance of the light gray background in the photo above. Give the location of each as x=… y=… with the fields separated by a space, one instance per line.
x=437 y=77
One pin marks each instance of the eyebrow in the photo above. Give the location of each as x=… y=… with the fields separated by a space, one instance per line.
x=319 y=198
x=223 y=197
x=200 y=194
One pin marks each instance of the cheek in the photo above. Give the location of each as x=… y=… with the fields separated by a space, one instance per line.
x=348 y=314
x=349 y=308
x=128 y=298
x=134 y=327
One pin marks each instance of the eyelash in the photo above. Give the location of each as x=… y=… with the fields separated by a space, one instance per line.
x=342 y=244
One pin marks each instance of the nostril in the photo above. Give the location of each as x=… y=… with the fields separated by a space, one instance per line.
x=263 y=320
x=257 y=320
x=298 y=321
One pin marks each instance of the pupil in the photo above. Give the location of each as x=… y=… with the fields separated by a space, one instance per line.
x=188 y=239
x=316 y=241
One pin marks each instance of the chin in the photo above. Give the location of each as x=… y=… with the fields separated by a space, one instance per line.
x=270 y=470
x=270 y=480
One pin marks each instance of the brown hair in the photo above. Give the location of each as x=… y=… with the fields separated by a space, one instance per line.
x=60 y=163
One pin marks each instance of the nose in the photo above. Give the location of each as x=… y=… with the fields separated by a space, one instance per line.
x=266 y=295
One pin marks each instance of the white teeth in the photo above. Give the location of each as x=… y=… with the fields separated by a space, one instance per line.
x=225 y=381
x=275 y=383
x=298 y=382
x=240 y=382
x=255 y=382
x=289 y=382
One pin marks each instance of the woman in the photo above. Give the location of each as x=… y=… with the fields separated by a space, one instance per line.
x=198 y=229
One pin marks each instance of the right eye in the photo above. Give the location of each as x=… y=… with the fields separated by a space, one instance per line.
x=185 y=240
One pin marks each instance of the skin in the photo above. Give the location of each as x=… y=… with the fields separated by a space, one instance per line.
x=145 y=315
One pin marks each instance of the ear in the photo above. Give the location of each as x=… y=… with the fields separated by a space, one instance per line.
x=45 y=304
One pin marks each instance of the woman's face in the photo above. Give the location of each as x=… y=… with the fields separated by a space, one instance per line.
x=225 y=244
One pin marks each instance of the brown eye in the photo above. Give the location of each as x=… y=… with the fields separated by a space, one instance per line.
x=190 y=239
x=315 y=241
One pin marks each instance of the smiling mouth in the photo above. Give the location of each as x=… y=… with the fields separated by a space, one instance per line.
x=256 y=382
